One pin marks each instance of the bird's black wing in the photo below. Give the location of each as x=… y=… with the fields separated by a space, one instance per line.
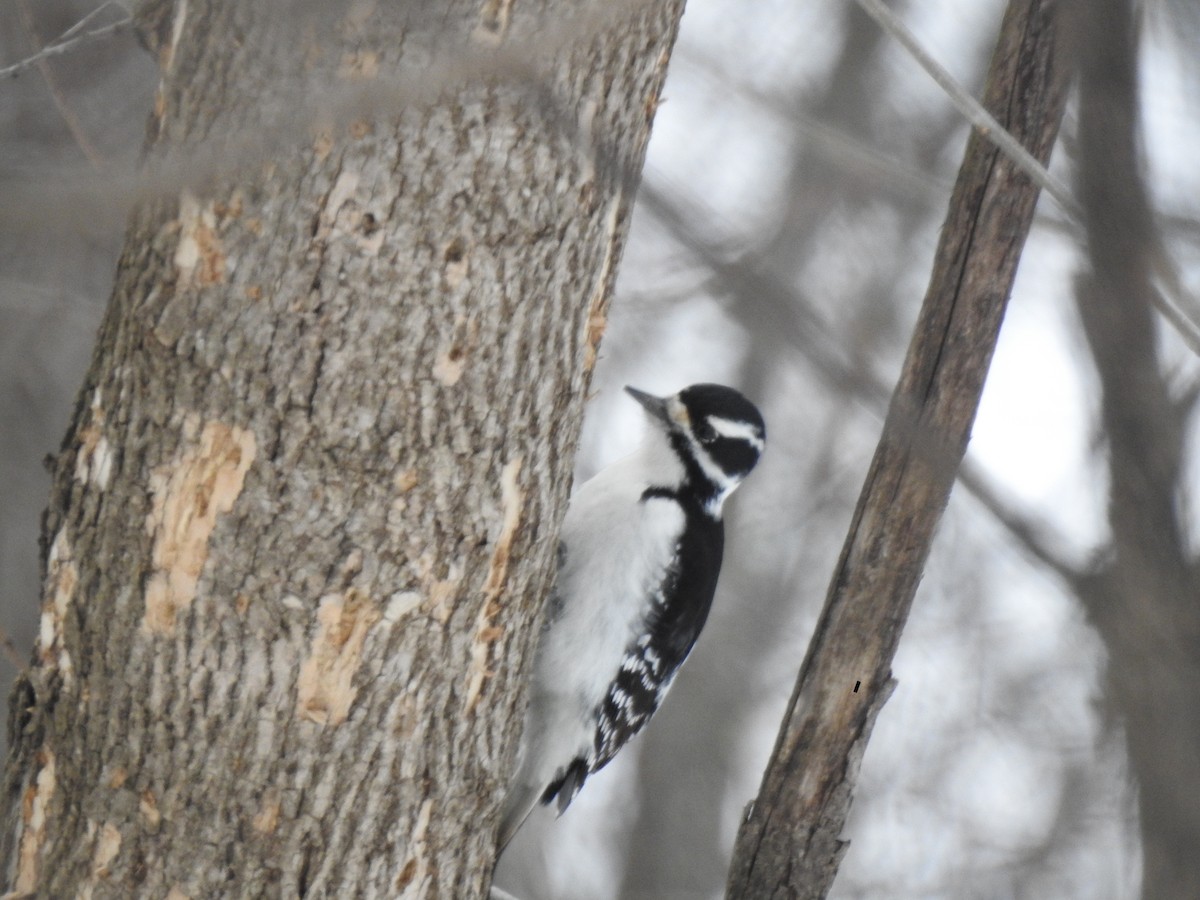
x=677 y=616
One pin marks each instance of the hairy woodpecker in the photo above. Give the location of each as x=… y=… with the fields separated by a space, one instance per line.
x=638 y=564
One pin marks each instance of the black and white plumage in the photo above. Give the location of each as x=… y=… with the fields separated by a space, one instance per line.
x=638 y=565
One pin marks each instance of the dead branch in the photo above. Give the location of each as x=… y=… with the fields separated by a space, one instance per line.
x=790 y=844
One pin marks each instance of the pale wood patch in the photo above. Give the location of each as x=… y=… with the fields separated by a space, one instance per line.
x=199 y=255
x=202 y=483
x=62 y=577
x=34 y=804
x=487 y=633
x=326 y=684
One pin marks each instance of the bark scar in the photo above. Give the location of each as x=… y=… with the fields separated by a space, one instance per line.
x=325 y=688
x=199 y=255
x=108 y=845
x=202 y=483
x=411 y=882
x=494 y=16
x=267 y=819
x=62 y=577
x=451 y=361
x=95 y=457
x=359 y=65
x=34 y=805
x=487 y=633
x=597 y=320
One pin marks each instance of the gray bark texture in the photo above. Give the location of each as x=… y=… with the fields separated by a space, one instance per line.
x=306 y=511
x=790 y=843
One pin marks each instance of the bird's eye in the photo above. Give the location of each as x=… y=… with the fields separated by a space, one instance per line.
x=705 y=433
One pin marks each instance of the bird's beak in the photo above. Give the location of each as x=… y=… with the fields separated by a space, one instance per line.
x=655 y=406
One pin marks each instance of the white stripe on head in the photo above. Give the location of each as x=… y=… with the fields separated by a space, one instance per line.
x=734 y=429
x=720 y=479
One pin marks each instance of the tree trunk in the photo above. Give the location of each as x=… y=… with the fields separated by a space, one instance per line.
x=306 y=511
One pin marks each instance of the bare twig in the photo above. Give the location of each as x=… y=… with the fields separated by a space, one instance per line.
x=1173 y=300
x=91 y=17
x=70 y=40
x=971 y=108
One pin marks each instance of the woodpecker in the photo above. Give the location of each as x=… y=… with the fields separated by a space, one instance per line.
x=639 y=556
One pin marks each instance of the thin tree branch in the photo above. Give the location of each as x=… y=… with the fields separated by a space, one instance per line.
x=971 y=108
x=70 y=40
x=790 y=842
x=1173 y=300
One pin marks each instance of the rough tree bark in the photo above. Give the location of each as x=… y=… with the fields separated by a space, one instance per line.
x=1143 y=600
x=790 y=842
x=306 y=510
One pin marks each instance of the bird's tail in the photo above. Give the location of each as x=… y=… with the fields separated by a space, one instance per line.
x=521 y=800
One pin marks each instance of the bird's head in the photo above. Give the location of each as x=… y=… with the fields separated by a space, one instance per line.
x=717 y=434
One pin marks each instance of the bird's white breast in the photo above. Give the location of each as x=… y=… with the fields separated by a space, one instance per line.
x=618 y=549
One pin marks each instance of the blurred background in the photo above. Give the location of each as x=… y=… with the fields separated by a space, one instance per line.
x=798 y=174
